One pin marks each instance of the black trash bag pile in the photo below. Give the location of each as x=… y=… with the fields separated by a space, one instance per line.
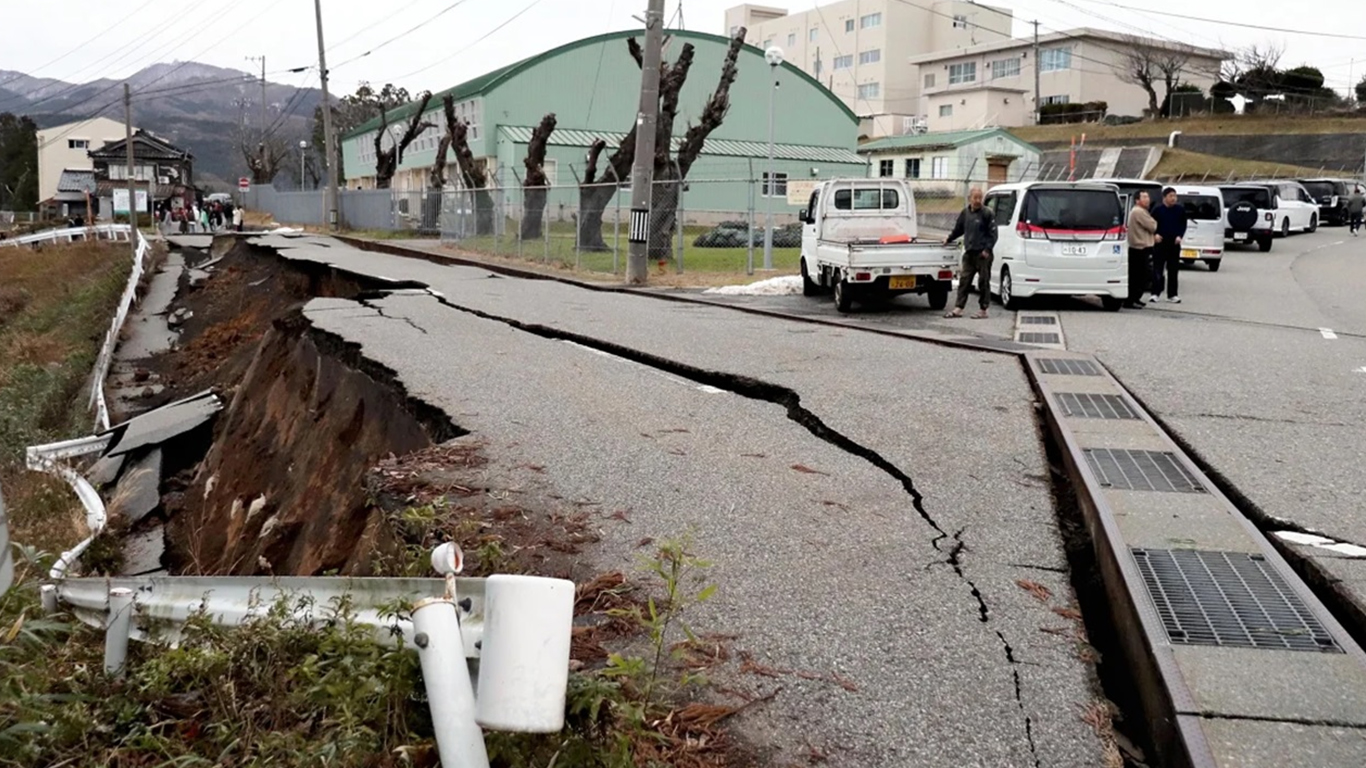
x=735 y=234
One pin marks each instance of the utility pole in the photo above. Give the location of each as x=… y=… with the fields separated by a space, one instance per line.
x=330 y=153
x=132 y=182
x=1038 y=65
x=262 y=59
x=642 y=172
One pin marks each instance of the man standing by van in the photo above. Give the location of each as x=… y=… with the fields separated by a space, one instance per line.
x=1171 y=229
x=977 y=226
x=1142 y=231
x=1356 y=205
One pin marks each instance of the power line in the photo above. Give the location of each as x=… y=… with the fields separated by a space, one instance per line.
x=438 y=15
x=369 y=27
x=124 y=18
x=1226 y=23
x=481 y=39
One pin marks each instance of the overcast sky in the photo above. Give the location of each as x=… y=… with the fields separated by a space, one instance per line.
x=88 y=40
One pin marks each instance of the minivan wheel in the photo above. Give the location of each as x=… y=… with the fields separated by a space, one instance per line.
x=1285 y=227
x=1008 y=298
x=1314 y=223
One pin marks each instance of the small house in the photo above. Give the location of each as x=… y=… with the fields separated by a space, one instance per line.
x=946 y=164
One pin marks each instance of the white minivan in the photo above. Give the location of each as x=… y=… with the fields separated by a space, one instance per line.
x=1059 y=239
x=1204 y=240
x=1295 y=211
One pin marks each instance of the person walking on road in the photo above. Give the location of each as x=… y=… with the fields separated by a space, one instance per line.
x=977 y=226
x=1171 y=230
x=1142 y=231
x=1356 y=205
x=237 y=219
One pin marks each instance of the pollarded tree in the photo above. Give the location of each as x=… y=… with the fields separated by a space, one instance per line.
x=534 y=192
x=388 y=160
x=473 y=176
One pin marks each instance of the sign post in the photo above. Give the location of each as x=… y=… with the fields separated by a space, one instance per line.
x=243 y=187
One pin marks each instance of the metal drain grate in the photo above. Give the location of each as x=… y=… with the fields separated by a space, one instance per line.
x=1141 y=471
x=1038 y=320
x=1068 y=367
x=1040 y=338
x=1229 y=599
x=1094 y=406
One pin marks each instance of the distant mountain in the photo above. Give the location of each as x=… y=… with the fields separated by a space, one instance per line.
x=195 y=106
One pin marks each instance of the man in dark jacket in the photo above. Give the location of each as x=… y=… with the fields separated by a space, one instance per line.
x=977 y=226
x=1171 y=230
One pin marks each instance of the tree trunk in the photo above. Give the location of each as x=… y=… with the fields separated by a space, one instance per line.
x=484 y=213
x=534 y=193
x=664 y=199
x=533 y=212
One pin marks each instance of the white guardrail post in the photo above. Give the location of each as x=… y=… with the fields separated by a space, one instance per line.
x=6 y=552
x=116 y=633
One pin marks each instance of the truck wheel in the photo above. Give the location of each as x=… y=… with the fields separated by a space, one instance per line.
x=1264 y=244
x=1214 y=264
x=844 y=299
x=1008 y=298
x=939 y=295
x=809 y=287
x=1110 y=303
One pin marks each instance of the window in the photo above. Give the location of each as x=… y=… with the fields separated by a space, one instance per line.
x=78 y=143
x=767 y=44
x=733 y=30
x=776 y=189
x=870 y=91
x=912 y=167
x=844 y=62
x=552 y=171
x=1003 y=207
x=791 y=39
x=929 y=80
x=1005 y=68
x=1054 y=59
x=813 y=34
x=963 y=73
x=870 y=57
x=1081 y=209
x=1062 y=99
x=870 y=21
x=867 y=199
x=1204 y=207
x=960 y=22
x=848 y=25
x=939 y=168
x=946 y=110
x=886 y=168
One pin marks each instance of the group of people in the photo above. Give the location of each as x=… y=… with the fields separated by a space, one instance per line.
x=1155 y=234
x=213 y=216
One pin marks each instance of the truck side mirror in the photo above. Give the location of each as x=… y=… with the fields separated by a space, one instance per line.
x=803 y=217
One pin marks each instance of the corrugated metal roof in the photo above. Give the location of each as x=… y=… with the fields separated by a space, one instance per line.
x=78 y=181
x=939 y=139
x=714 y=147
x=485 y=82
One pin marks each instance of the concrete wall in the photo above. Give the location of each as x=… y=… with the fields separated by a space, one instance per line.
x=982 y=108
x=55 y=153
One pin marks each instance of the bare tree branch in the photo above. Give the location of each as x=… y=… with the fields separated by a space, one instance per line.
x=715 y=111
x=438 y=173
x=590 y=171
x=535 y=152
x=1137 y=65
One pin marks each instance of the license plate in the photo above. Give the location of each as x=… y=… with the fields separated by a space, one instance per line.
x=1239 y=235
x=901 y=282
x=1187 y=253
x=1074 y=250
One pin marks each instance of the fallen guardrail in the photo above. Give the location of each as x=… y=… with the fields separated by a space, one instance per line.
x=116 y=232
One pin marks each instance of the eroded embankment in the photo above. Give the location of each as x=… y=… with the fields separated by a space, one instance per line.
x=282 y=488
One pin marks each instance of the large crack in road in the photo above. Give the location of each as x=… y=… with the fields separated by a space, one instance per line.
x=790 y=401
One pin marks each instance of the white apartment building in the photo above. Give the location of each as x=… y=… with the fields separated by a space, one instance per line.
x=992 y=85
x=860 y=49
x=67 y=147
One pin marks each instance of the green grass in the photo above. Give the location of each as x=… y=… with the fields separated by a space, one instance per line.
x=1225 y=125
x=1181 y=165
x=558 y=248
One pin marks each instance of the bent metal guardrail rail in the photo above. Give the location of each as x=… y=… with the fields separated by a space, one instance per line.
x=72 y=234
x=111 y=339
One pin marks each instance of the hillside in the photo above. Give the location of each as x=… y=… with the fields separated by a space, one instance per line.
x=1229 y=125
x=196 y=106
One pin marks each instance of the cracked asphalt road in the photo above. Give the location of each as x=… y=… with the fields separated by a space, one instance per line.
x=893 y=564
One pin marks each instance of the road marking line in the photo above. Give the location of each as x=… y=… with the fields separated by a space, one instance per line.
x=1328 y=333
x=1362 y=369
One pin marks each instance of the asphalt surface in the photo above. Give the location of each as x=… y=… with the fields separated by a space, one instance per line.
x=796 y=489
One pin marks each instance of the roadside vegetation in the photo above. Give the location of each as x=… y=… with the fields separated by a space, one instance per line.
x=1196 y=168
x=1219 y=125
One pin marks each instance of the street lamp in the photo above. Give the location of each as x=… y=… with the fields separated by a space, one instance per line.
x=303 y=160
x=774 y=57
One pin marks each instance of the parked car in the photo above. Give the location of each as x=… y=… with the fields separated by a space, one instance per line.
x=1331 y=195
x=1129 y=188
x=1249 y=214
x=859 y=242
x=1295 y=209
x=1204 y=240
x=1060 y=239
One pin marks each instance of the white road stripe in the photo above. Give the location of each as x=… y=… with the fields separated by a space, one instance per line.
x=1328 y=333
x=1362 y=369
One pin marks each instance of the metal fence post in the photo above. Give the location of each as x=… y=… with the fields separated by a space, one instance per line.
x=545 y=225
x=116 y=631
x=576 y=218
x=749 y=263
x=441 y=652
x=616 y=232
x=681 y=215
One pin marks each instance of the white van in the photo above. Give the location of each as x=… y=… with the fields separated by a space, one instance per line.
x=1059 y=239
x=1295 y=209
x=1204 y=240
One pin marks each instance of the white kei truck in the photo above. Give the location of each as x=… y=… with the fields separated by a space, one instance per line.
x=859 y=242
